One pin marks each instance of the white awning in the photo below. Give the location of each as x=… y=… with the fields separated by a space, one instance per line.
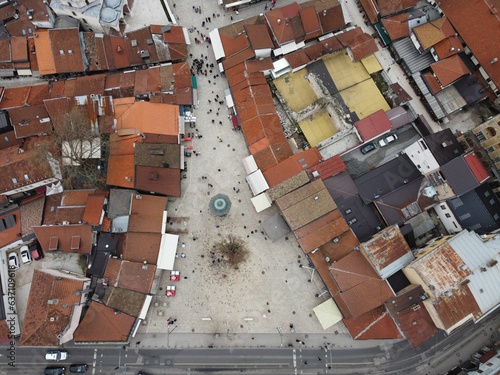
x=229 y=98
x=145 y=307
x=261 y=202
x=250 y=164
x=168 y=249
x=216 y=44
x=257 y=182
x=328 y=313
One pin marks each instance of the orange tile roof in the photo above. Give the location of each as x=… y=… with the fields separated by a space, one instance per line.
x=479 y=28
x=50 y=297
x=59 y=51
x=292 y=166
x=239 y=57
x=130 y=275
x=449 y=70
x=14 y=97
x=456 y=307
x=73 y=238
x=165 y=181
x=371 y=10
x=363 y=45
x=94 y=211
x=433 y=32
x=431 y=82
x=144 y=116
x=329 y=167
x=331 y=18
x=121 y=171
x=119 y=54
x=103 y=324
x=361 y=288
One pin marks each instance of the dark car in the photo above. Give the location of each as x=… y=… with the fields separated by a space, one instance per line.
x=142 y=373
x=53 y=370
x=78 y=368
x=368 y=148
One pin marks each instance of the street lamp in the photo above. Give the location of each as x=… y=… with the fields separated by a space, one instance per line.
x=169 y=331
x=281 y=335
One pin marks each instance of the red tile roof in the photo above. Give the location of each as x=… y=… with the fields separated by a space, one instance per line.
x=363 y=46
x=447 y=47
x=297 y=59
x=50 y=308
x=449 y=70
x=292 y=166
x=411 y=316
x=130 y=275
x=165 y=181
x=477 y=167
x=320 y=231
x=372 y=126
x=329 y=167
x=331 y=19
x=388 y=7
x=259 y=37
x=361 y=288
x=13 y=233
x=310 y=22
x=283 y=26
x=140 y=247
x=103 y=324
x=397 y=26
x=147 y=213
x=371 y=9
x=373 y=325
x=30 y=121
x=73 y=238
x=478 y=26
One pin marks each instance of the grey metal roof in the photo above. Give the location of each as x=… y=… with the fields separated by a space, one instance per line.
x=477 y=210
x=431 y=100
x=478 y=256
x=414 y=61
x=119 y=202
x=398 y=116
x=275 y=227
x=345 y=194
x=386 y=178
x=444 y=146
x=459 y=176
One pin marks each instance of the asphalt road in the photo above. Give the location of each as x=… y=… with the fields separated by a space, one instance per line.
x=433 y=358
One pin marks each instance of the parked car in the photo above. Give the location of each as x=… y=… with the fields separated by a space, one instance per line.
x=143 y=373
x=25 y=254
x=388 y=139
x=13 y=261
x=56 y=355
x=36 y=251
x=78 y=368
x=52 y=370
x=368 y=147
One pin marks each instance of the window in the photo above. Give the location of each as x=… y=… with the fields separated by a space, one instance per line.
x=6 y=139
x=443 y=207
x=26 y=177
x=14 y=180
x=447 y=215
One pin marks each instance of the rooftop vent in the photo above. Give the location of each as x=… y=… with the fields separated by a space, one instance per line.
x=144 y=54
x=155 y=151
x=133 y=43
x=149 y=41
x=153 y=176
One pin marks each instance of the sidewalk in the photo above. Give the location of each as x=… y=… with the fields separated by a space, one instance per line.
x=230 y=340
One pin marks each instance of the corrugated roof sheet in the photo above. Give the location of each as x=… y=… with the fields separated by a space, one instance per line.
x=414 y=61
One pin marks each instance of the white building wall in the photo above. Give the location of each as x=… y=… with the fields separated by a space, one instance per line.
x=422 y=157
x=446 y=216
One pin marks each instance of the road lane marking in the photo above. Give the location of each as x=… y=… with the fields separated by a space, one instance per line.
x=295 y=361
x=230 y=364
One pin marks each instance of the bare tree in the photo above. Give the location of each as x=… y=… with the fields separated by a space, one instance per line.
x=230 y=251
x=77 y=145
